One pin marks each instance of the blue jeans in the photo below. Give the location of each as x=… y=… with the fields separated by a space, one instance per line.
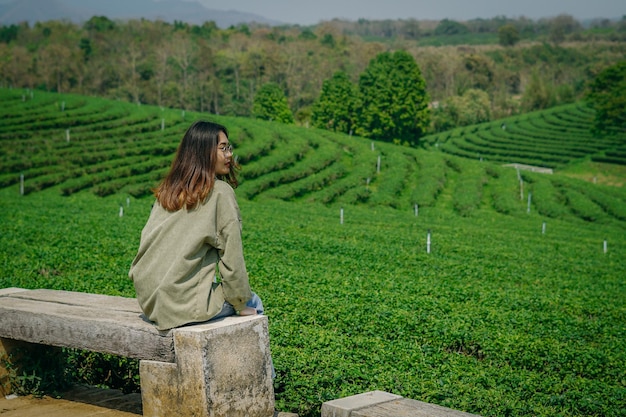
x=229 y=310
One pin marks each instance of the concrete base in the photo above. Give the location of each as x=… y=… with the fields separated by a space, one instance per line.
x=384 y=404
x=222 y=368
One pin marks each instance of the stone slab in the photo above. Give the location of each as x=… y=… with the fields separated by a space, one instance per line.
x=94 y=322
x=383 y=404
x=11 y=290
x=343 y=407
x=406 y=407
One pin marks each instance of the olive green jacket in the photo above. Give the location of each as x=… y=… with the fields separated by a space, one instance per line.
x=174 y=272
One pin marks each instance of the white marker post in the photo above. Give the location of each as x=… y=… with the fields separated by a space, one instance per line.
x=543 y=228
x=529 y=199
x=428 y=242
x=341 y=216
x=605 y=247
x=416 y=210
x=162 y=124
x=121 y=210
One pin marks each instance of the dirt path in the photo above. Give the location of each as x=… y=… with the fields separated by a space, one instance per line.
x=79 y=402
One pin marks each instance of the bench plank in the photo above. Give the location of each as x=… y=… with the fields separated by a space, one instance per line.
x=92 y=322
x=108 y=302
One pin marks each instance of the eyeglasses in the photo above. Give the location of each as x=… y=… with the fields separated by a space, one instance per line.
x=226 y=149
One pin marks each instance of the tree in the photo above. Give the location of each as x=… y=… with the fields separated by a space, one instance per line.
x=270 y=103
x=393 y=100
x=8 y=33
x=450 y=27
x=508 y=35
x=475 y=107
x=334 y=110
x=16 y=66
x=471 y=108
x=99 y=24
x=480 y=71
x=538 y=94
x=54 y=66
x=607 y=95
x=561 y=26
x=183 y=54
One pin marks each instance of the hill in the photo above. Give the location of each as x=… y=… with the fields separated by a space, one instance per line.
x=75 y=143
x=468 y=300
x=79 y=11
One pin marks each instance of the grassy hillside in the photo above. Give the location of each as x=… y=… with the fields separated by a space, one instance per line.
x=509 y=311
x=75 y=143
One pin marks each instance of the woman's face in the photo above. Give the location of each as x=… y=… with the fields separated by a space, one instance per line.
x=224 y=155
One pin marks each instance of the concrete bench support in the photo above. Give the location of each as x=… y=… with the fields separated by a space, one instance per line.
x=384 y=404
x=221 y=369
x=218 y=368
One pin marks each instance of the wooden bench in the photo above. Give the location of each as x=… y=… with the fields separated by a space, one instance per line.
x=218 y=368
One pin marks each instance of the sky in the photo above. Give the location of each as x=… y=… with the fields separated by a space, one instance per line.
x=309 y=12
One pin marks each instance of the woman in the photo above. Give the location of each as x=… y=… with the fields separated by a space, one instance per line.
x=190 y=266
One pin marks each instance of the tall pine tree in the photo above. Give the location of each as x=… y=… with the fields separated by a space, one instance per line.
x=393 y=100
x=334 y=110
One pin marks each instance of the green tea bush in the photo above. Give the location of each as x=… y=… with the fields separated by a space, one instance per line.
x=468 y=191
x=582 y=206
x=504 y=190
x=546 y=198
x=431 y=179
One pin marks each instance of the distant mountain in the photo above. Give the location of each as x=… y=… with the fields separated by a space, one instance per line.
x=79 y=11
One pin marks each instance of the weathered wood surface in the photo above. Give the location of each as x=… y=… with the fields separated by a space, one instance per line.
x=94 y=322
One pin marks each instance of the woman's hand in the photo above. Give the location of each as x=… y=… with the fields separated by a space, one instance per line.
x=248 y=311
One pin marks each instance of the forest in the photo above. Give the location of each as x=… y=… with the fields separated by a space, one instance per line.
x=473 y=71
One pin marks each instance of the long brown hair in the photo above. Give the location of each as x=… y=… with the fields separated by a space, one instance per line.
x=192 y=174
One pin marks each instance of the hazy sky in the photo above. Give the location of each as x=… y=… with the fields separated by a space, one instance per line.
x=307 y=12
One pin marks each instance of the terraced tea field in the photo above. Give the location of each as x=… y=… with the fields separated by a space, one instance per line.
x=550 y=138
x=516 y=306
x=107 y=147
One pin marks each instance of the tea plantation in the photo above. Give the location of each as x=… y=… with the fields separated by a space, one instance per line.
x=437 y=273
